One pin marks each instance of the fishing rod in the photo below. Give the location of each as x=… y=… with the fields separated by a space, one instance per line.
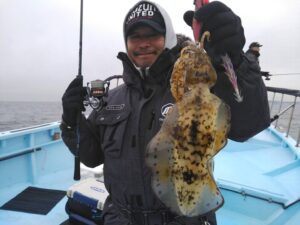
x=285 y=74
x=79 y=75
x=275 y=117
x=80 y=41
x=94 y=98
x=267 y=75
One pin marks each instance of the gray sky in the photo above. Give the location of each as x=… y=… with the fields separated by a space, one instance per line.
x=39 y=41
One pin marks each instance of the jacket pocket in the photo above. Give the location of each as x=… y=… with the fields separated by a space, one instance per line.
x=114 y=125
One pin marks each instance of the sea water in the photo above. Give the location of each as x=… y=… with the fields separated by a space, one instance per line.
x=16 y=115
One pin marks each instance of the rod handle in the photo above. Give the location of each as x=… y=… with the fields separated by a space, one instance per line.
x=77 y=168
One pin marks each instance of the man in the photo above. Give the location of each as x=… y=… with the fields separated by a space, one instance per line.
x=253 y=54
x=117 y=135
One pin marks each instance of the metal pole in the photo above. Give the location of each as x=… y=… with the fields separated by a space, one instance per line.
x=272 y=103
x=279 y=109
x=298 y=139
x=291 y=116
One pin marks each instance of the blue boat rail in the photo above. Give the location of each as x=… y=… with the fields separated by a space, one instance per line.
x=290 y=108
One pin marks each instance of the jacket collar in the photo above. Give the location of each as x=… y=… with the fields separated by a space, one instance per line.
x=159 y=72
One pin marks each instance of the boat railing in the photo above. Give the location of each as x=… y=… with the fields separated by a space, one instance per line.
x=281 y=111
x=274 y=119
x=114 y=81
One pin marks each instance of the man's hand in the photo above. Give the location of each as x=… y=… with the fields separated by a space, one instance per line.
x=265 y=73
x=227 y=33
x=72 y=101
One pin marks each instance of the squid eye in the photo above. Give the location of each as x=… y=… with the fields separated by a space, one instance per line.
x=201 y=74
x=190 y=51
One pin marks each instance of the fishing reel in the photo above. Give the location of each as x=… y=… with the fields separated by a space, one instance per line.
x=96 y=90
x=266 y=75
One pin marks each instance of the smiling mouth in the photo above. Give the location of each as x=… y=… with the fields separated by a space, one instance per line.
x=143 y=53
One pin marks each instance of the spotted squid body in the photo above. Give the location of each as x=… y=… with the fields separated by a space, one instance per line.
x=193 y=132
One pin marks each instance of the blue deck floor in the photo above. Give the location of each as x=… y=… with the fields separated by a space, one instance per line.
x=259 y=180
x=60 y=181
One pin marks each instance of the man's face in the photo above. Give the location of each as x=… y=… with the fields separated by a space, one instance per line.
x=144 y=45
x=255 y=49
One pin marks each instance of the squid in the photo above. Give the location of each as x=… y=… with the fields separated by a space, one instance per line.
x=180 y=155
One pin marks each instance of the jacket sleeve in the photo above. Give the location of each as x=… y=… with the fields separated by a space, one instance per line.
x=252 y=115
x=90 y=152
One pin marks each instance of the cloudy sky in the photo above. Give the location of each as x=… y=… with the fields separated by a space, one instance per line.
x=39 y=41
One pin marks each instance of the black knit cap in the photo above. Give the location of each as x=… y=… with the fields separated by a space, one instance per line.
x=147 y=14
x=254 y=44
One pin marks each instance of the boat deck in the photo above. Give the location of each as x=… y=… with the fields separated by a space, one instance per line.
x=34 y=157
x=259 y=179
x=59 y=181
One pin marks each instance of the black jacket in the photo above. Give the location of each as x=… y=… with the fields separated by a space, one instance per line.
x=118 y=134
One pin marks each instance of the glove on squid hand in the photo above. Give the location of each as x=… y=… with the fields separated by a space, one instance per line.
x=226 y=31
x=72 y=101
